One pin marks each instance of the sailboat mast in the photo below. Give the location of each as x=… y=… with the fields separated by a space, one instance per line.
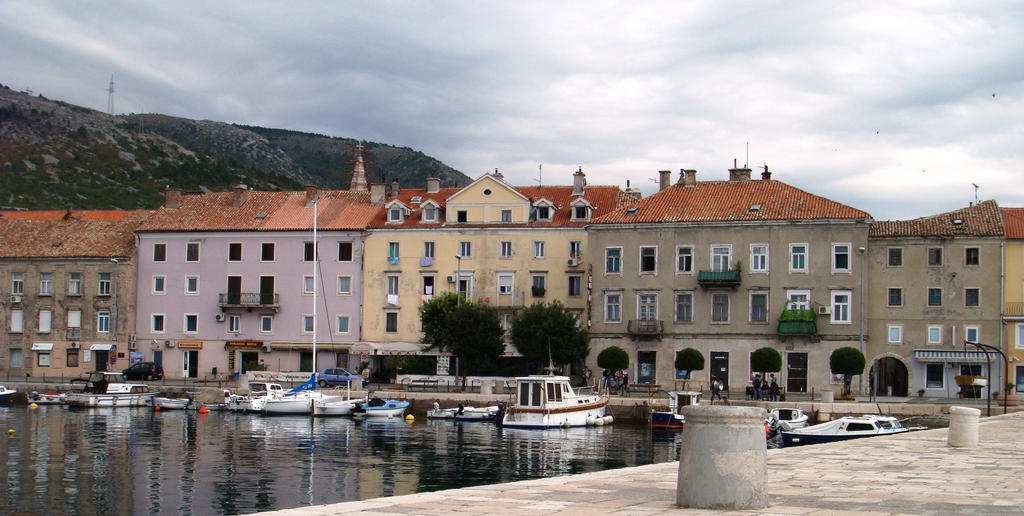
x=316 y=261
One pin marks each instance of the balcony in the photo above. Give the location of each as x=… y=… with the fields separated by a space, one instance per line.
x=716 y=279
x=649 y=328
x=798 y=322
x=1014 y=310
x=249 y=300
x=74 y=334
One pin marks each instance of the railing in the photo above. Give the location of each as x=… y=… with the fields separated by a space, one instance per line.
x=726 y=278
x=798 y=322
x=249 y=299
x=642 y=327
x=1013 y=309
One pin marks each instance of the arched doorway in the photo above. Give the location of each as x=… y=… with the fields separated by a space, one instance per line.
x=893 y=379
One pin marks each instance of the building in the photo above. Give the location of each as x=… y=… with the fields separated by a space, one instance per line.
x=1013 y=309
x=69 y=302
x=935 y=285
x=713 y=265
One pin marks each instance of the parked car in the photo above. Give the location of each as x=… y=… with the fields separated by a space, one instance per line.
x=336 y=376
x=144 y=371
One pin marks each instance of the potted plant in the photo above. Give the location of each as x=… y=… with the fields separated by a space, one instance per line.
x=1010 y=399
x=920 y=393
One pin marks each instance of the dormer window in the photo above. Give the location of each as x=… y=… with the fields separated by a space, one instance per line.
x=543 y=213
x=429 y=212
x=396 y=212
x=543 y=210
x=395 y=215
x=580 y=213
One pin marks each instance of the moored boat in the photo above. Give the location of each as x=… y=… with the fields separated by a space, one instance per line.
x=463 y=413
x=849 y=427
x=6 y=394
x=255 y=399
x=163 y=403
x=378 y=407
x=336 y=405
x=47 y=398
x=673 y=418
x=787 y=418
x=548 y=401
x=108 y=389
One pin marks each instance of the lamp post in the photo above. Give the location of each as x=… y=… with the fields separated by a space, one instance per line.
x=458 y=280
x=860 y=378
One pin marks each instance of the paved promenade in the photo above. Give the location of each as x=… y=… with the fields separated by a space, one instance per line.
x=914 y=473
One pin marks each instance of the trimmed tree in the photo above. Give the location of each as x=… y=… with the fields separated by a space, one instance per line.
x=689 y=360
x=847 y=361
x=766 y=360
x=544 y=330
x=469 y=331
x=613 y=358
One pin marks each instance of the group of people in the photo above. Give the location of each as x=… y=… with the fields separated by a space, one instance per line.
x=764 y=388
x=614 y=381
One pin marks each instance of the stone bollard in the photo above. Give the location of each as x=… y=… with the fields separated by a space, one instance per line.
x=963 y=427
x=356 y=384
x=486 y=386
x=828 y=396
x=723 y=458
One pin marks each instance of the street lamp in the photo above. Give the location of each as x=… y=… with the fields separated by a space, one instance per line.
x=860 y=378
x=458 y=280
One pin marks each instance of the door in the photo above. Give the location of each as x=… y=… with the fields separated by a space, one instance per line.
x=306 y=361
x=796 y=372
x=646 y=366
x=266 y=290
x=720 y=368
x=250 y=359
x=101 y=358
x=892 y=377
x=158 y=357
x=190 y=363
x=234 y=290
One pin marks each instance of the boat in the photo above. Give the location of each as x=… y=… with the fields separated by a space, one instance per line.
x=6 y=394
x=48 y=398
x=548 y=401
x=463 y=413
x=336 y=405
x=673 y=418
x=163 y=403
x=849 y=427
x=787 y=418
x=108 y=389
x=378 y=407
x=255 y=399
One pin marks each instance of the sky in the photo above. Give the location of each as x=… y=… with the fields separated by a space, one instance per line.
x=897 y=108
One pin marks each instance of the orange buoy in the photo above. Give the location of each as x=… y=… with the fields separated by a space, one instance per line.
x=203 y=409
x=156 y=408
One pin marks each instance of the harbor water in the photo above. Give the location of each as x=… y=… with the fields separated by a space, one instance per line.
x=137 y=461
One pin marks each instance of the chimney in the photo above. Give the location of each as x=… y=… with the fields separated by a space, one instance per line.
x=739 y=174
x=433 y=185
x=498 y=174
x=632 y=194
x=579 y=180
x=688 y=177
x=311 y=194
x=172 y=198
x=238 y=196
x=358 y=182
x=377 y=193
x=394 y=188
x=766 y=175
x=664 y=179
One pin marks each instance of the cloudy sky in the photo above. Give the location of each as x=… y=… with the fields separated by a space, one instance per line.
x=898 y=108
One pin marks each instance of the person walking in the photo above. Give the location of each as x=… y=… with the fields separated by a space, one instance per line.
x=757 y=387
x=716 y=388
x=773 y=388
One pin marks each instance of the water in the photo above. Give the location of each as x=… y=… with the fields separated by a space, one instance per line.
x=136 y=461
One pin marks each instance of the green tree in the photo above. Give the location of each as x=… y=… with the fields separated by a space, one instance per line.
x=766 y=360
x=434 y=315
x=613 y=357
x=689 y=360
x=544 y=330
x=470 y=331
x=847 y=361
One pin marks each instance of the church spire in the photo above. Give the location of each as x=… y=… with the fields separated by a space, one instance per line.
x=358 y=183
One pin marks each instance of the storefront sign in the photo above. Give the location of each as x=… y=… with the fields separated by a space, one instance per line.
x=190 y=344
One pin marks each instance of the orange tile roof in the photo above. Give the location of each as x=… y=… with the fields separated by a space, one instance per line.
x=1013 y=219
x=728 y=201
x=982 y=219
x=99 y=234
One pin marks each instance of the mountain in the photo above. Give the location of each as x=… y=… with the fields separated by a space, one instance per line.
x=57 y=155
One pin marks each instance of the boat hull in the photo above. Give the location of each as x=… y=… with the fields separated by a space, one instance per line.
x=170 y=403
x=389 y=408
x=5 y=398
x=48 y=399
x=582 y=416
x=288 y=406
x=666 y=421
x=798 y=439
x=107 y=400
x=335 y=408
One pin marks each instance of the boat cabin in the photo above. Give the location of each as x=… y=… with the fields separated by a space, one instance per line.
x=538 y=390
x=106 y=382
x=679 y=399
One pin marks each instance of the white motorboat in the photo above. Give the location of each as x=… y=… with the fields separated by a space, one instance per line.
x=163 y=403
x=548 y=401
x=377 y=407
x=336 y=405
x=849 y=427
x=259 y=392
x=463 y=413
x=47 y=398
x=787 y=418
x=108 y=389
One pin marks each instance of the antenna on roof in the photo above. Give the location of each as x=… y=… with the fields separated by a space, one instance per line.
x=975 y=185
x=746 y=161
x=540 y=175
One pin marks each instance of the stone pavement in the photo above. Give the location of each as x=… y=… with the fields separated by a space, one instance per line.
x=914 y=473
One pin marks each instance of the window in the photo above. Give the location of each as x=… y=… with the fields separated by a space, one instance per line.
x=46 y=284
x=972 y=256
x=267 y=252
x=613 y=260
x=344 y=251
x=798 y=299
x=43 y=358
x=395 y=214
x=895 y=297
x=45 y=321
x=934 y=376
x=612 y=307
x=15 y=358
x=580 y=213
x=506 y=216
x=684 y=306
x=935 y=335
x=428 y=249
x=647 y=307
x=17 y=283
x=103 y=321
x=392 y=285
x=720 y=307
x=460 y=216
x=684 y=259
x=427 y=288
x=191 y=323
x=465 y=249
x=971 y=334
x=156 y=323
x=75 y=284
x=234 y=323
x=266 y=323
x=191 y=285
x=104 y=284
x=235 y=252
x=506 y=281
x=840 y=257
x=538 y=249
x=307 y=285
x=344 y=285
x=308 y=253
x=972 y=296
x=74 y=324
x=538 y=281
x=393 y=250
x=543 y=213
x=506 y=249
x=575 y=249
x=192 y=252
x=721 y=255
x=575 y=286
x=934 y=256
x=841 y=306
x=895 y=334
x=391 y=322
x=759 y=258
x=648 y=259
x=429 y=214
x=17 y=321
x=72 y=358
x=895 y=257
x=342 y=324
x=1018 y=342
x=159 y=285
x=935 y=297
x=758 y=307
x=797 y=257
x=307 y=324
x=159 y=252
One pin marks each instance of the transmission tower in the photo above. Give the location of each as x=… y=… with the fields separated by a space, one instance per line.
x=110 y=96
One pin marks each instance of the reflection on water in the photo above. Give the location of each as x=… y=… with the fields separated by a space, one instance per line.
x=135 y=461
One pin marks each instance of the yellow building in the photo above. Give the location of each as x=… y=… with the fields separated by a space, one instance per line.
x=1013 y=311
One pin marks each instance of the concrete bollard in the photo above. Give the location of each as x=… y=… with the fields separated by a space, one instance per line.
x=828 y=396
x=486 y=386
x=723 y=458
x=963 y=427
x=356 y=384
